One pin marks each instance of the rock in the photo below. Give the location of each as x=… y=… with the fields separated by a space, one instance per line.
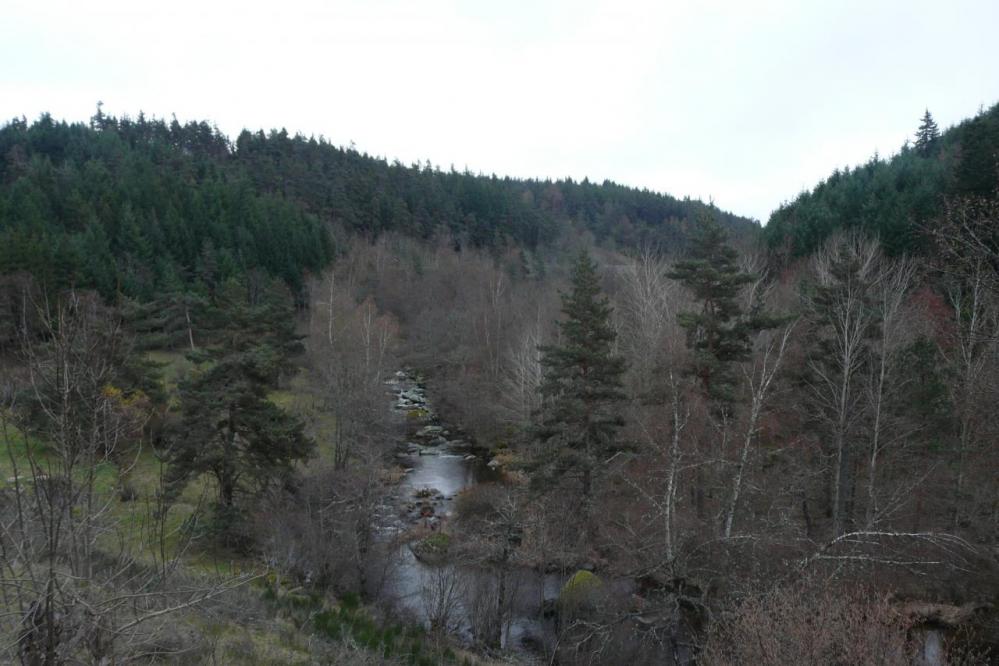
x=412 y=397
x=943 y=614
x=469 y=458
x=581 y=589
x=437 y=441
x=493 y=464
x=432 y=549
x=429 y=431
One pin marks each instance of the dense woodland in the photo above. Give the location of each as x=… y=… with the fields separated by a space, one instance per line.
x=897 y=198
x=142 y=207
x=724 y=446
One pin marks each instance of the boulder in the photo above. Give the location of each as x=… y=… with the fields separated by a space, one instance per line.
x=429 y=431
x=581 y=589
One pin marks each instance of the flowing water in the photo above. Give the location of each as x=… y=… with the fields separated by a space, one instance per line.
x=433 y=462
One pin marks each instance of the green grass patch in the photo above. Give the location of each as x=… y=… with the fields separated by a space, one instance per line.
x=302 y=397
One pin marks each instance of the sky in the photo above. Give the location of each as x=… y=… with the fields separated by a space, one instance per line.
x=745 y=103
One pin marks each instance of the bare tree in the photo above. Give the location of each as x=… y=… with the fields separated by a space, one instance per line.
x=524 y=374
x=74 y=582
x=969 y=349
x=442 y=592
x=759 y=378
x=844 y=272
x=807 y=625
x=890 y=294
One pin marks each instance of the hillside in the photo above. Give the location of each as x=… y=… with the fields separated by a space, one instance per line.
x=141 y=206
x=894 y=198
x=327 y=409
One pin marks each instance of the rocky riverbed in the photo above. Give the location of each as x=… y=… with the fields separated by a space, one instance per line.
x=438 y=463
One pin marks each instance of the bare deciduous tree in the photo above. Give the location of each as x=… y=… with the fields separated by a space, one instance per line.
x=844 y=272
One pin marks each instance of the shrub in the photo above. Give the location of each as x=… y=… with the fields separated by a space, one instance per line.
x=581 y=589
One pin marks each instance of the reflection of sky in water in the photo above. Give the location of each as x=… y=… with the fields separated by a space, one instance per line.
x=448 y=473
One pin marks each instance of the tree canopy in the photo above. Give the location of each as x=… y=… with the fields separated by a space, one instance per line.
x=895 y=199
x=142 y=207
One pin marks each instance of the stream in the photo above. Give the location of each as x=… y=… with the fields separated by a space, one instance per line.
x=439 y=467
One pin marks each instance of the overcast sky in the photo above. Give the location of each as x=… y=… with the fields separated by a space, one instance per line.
x=747 y=103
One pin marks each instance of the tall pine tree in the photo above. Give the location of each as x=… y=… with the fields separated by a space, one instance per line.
x=927 y=135
x=581 y=387
x=230 y=429
x=719 y=331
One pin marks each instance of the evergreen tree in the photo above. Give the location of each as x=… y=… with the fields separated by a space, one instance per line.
x=927 y=135
x=229 y=428
x=233 y=432
x=719 y=332
x=582 y=384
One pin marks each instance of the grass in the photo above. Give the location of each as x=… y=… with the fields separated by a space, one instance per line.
x=302 y=397
x=286 y=633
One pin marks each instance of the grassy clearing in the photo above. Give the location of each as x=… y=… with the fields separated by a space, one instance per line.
x=302 y=397
x=282 y=624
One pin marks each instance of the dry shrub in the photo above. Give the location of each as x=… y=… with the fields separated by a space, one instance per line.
x=811 y=625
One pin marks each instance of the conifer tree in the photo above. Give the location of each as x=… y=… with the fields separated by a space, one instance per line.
x=927 y=135
x=233 y=432
x=229 y=428
x=581 y=387
x=719 y=332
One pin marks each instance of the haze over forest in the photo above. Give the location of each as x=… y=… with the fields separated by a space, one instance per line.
x=662 y=335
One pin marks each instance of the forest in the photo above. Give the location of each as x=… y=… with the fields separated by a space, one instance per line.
x=275 y=401
x=895 y=199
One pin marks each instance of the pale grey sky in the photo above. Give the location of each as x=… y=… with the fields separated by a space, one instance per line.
x=744 y=102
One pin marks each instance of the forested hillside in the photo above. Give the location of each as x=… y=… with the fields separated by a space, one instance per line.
x=895 y=199
x=140 y=206
x=279 y=402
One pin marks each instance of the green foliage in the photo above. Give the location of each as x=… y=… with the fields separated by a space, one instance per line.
x=143 y=209
x=580 y=589
x=229 y=428
x=895 y=199
x=925 y=396
x=927 y=135
x=150 y=210
x=436 y=542
x=398 y=641
x=719 y=332
x=582 y=379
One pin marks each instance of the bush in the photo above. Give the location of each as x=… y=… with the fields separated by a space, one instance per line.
x=810 y=625
x=581 y=589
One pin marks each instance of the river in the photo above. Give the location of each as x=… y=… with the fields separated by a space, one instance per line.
x=434 y=462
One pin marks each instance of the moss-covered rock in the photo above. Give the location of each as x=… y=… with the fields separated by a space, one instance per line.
x=432 y=548
x=581 y=589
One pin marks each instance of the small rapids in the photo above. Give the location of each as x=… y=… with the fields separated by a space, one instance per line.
x=437 y=467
